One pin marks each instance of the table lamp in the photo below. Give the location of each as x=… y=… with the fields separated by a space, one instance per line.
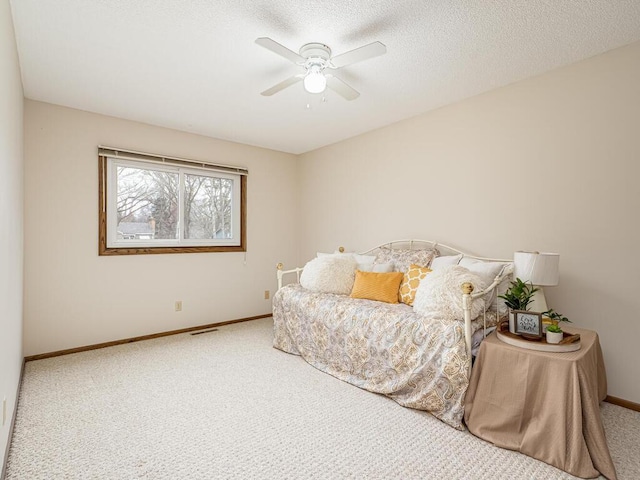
x=539 y=269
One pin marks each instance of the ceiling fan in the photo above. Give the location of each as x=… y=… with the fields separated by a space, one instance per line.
x=316 y=59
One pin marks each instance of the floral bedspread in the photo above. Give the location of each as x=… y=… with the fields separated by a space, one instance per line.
x=418 y=361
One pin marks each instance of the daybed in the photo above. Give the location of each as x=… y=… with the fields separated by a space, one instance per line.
x=419 y=357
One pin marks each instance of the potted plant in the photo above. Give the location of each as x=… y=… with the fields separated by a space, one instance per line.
x=551 y=317
x=517 y=297
x=554 y=334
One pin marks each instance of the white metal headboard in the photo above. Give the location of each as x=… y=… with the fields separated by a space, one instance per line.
x=410 y=244
x=441 y=247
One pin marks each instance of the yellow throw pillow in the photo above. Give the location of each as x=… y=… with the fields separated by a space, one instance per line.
x=382 y=287
x=410 y=282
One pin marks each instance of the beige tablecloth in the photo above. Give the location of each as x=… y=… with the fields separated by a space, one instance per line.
x=545 y=405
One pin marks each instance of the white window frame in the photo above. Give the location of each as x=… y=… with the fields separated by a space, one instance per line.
x=110 y=244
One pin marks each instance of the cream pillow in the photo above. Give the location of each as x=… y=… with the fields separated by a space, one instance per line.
x=489 y=271
x=441 y=295
x=382 y=287
x=410 y=282
x=503 y=286
x=329 y=274
x=359 y=258
x=375 y=267
x=444 y=261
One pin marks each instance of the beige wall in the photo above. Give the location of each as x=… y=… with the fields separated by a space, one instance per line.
x=11 y=219
x=550 y=164
x=73 y=297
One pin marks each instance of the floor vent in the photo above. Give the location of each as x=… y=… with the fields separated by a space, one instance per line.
x=204 y=331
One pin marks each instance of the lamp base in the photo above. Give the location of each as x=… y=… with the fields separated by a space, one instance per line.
x=538 y=302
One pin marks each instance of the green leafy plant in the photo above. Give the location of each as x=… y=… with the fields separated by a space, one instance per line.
x=554 y=329
x=519 y=295
x=553 y=315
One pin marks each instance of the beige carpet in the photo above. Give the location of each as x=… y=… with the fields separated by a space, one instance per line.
x=226 y=405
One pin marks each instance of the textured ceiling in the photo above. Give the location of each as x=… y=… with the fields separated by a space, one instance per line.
x=193 y=65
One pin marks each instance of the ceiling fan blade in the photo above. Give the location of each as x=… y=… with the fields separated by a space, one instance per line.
x=281 y=50
x=357 y=55
x=282 y=85
x=341 y=88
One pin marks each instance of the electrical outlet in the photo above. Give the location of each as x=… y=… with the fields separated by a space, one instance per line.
x=267 y=294
x=4 y=411
x=178 y=305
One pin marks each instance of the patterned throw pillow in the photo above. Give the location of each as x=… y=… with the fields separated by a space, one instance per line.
x=410 y=282
x=403 y=259
x=382 y=287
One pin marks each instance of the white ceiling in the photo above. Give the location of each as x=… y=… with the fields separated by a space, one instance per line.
x=193 y=65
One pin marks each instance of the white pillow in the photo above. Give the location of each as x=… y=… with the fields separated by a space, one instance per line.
x=503 y=286
x=330 y=274
x=359 y=258
x=444 y=261
x=440 y=293
x=489 y=271
x=375 y=267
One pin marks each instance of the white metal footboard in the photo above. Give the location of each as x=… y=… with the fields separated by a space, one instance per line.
x=281 y=273
x=467 y=298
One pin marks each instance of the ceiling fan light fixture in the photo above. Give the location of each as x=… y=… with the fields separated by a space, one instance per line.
x=315 y=58
x=315 y=81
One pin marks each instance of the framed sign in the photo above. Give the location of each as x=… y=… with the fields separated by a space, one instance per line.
x=528 y=324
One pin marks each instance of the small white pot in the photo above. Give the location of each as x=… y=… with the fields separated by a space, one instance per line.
x=512 y=323
x=553 y=337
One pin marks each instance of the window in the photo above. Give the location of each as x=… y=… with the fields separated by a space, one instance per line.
x=151 y=204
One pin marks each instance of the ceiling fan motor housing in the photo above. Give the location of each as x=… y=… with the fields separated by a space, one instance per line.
x=319 y=50
x=315 y=54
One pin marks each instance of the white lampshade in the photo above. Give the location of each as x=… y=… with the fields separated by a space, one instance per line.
x=315 y=81
x=537 y=268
